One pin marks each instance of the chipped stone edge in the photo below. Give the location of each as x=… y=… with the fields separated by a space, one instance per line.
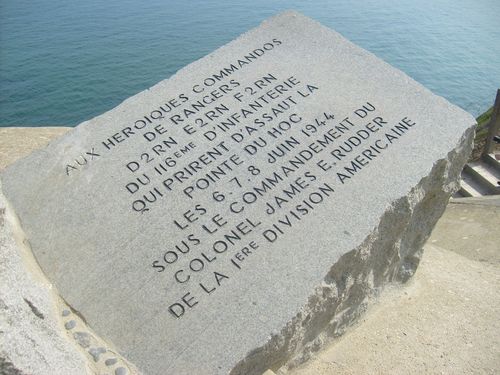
x=389 y=254
x=98 y=355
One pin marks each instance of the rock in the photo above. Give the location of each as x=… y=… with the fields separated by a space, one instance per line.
x=239 y=215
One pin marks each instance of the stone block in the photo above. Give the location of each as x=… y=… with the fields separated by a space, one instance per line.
x=235 y=217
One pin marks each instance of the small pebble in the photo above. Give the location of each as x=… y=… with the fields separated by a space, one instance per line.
x=82 y=338
x=96 y=353
x=110 y=361
x=70 y=325
x=121 y=371
x=66 y=312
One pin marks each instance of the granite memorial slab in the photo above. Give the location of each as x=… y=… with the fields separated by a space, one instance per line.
x=238 y=215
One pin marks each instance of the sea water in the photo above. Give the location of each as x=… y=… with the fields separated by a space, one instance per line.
x=65 y=61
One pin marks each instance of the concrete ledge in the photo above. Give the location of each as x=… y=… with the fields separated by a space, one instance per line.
x=39 y=333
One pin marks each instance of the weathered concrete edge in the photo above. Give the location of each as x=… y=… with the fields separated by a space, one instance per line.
x=389 y=254
x=487 y=200
x=19 y=142
x=39 y=332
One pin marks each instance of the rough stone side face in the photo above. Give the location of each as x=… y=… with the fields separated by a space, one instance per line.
x=390 y=253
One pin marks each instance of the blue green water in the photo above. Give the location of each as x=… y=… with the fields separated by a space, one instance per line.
x=65 y=61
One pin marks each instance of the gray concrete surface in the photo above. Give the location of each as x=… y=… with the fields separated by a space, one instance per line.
x=471 y=227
